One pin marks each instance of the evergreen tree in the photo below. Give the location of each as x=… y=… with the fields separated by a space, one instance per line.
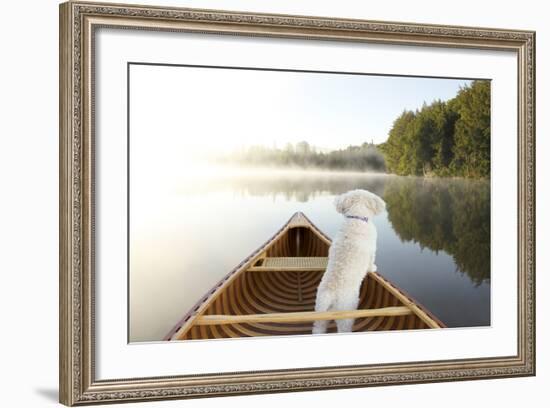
x=472 y=149
x=444 y=138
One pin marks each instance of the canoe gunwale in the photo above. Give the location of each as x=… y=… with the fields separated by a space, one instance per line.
x=435 y=322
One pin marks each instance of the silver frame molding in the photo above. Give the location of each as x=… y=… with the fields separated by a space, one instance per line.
x=78 y=20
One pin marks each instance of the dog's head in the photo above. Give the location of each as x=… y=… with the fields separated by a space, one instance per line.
x=359 y=202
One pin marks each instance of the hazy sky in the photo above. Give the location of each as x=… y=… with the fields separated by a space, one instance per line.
x=190 y=110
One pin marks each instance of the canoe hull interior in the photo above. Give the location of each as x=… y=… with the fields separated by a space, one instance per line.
x=289 y=284
x=274 y=292
x=299 y=241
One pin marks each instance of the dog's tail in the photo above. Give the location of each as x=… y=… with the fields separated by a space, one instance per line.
x=322 y=304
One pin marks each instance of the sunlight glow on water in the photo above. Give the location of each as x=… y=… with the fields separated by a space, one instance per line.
x=434 y=240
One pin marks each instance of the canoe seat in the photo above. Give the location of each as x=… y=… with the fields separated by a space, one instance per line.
x=291 y=264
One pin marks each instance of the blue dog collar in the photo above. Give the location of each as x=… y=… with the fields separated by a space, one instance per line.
x=357 y=217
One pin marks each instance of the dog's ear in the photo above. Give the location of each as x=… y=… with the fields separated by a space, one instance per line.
x=376 y=204
x=341 y=203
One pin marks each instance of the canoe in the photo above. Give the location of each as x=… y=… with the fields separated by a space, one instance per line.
x=272 y=293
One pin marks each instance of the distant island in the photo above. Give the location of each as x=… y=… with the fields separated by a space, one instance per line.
x=443 y=139
x=366 y=157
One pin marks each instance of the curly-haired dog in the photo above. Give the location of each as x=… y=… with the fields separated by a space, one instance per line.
x=350 y=257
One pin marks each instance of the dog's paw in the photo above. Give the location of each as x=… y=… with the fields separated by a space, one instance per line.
x=318 y=328
x=373 y=268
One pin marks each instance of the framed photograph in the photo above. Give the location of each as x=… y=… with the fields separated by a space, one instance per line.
x=255 y=203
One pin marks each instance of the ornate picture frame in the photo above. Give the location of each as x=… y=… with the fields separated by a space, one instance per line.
x=78 y=24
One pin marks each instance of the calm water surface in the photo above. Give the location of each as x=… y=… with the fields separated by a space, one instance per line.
x=433 y=241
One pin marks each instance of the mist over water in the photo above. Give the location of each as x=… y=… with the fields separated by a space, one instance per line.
x=433 y=241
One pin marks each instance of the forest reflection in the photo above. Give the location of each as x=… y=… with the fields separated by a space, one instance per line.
x=301 y=186
x=445 y=215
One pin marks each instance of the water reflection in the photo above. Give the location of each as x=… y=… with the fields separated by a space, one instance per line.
x=445 y=215
x=451 y=215
x=434 y=241
x=300 y=186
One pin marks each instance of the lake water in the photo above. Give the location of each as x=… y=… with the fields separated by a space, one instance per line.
x=433 y=241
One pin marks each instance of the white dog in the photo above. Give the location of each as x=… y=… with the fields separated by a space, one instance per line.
x=350 y=257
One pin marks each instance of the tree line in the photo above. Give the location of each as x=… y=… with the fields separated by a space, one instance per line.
x=451 y=138
x=365 y=157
